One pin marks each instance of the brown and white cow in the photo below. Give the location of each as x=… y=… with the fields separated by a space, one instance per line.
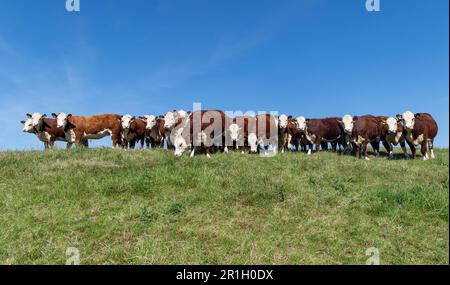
x=369 y=129
x=171 y=121
x=80 y=128
x=134 y=130
x=155 y=129
x=238 y=132
x=203 y=130
x=265 y=134
x=317 y=131
x=283 y=133
x=395 y=135
x=46 y=130
x=420 y=128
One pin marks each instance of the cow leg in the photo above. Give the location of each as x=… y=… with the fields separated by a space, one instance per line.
x=310 y=147
x=46 y=145
x=405 y=152
x=376 y=148
x=388 y=148
x=115 y=140
x=358 y=150
x=413 y=149
x=423 y=149
x=334 y=146
x=430 y=146
x=133 y=144
x=69 y=145
x=193 y=152
x=365 y=143
x=319 y=145
x=51 y=143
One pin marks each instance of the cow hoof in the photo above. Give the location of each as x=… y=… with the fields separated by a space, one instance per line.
x=425 y=158
x=208 y=156
x=242 y=152
x=366 y=158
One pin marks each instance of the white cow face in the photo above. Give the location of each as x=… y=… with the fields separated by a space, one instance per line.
x=170 y=120
x=301 y=123
x=150 y=121
x=234 y=132
x=409 y=119
x=180 y=143
x=253 y=142
x=125 y=121
x=392 y=125
x=61 y=119
x=182 y=114
x=36 y=119
x=347 y=121
x=28 y=126
x=283 y=121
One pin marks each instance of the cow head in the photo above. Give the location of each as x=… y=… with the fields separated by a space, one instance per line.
x=126 y=120
x=409 y=120
x=170 y=120
x=61 y=119
x=392 y=125
x=36 y=119
x=347 y=122
x=150 y=121
x=283 y=121
x=253 y=142
x=180 y=143
x=28 y=125
x=301 y=123
x=234 y=132
x=181 y=114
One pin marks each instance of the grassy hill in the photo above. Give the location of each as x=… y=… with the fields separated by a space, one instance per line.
x=148 y=207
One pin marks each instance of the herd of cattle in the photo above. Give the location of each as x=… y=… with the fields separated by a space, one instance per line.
x=213 y=130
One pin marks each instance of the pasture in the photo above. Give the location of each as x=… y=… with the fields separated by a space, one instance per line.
x=149 y=207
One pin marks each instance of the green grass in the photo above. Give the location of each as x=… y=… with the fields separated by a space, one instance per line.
x=148 y=207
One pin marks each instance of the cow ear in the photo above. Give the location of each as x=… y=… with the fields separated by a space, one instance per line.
x=307 y=120
x=54 y=115
x=44 y=116
x=68 y=116
x=133 y=118
x=22 y=122
x=417 y=115
x=290 y=117
x=29 y=115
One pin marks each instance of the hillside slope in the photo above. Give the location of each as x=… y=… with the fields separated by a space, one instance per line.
x=148 y=207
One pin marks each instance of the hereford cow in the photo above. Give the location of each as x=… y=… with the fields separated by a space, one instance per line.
x=283 y=134
x=171 y=121
x=420 y=128
x=396 y=135
x=369 y=129
x=296 y=139
x=46 y=130
x=239 y=130
x=202 y=130
x=134 y=130
x=266 y=133
x=318 y=130
x=80 y=128
x=155 y=129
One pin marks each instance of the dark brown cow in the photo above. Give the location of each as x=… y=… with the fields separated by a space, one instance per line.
x=420 y=128
x=296 y=138
x=157 y=133
x=80 y=128
x=134 y=130
x=317 y=131
x=369 y=129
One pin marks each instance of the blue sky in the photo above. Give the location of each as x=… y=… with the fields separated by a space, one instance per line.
x=312 y=58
